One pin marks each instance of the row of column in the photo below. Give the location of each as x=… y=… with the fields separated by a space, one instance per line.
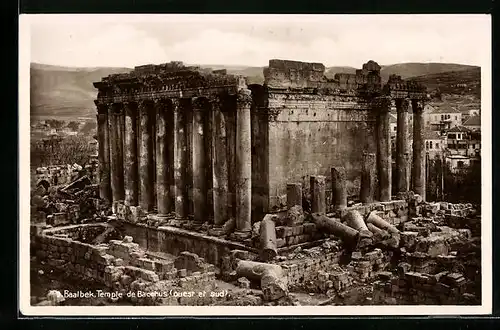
x=402 y=174
x=146 y=148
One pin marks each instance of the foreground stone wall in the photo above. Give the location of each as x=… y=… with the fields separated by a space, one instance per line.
x=175 y=240
x=122 y=266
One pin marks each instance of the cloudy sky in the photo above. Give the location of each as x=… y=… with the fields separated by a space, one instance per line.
x=350 y=40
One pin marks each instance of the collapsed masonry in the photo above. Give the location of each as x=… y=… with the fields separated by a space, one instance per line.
x=283 y=187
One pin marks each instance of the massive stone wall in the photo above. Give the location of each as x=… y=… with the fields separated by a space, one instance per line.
x=312 y=134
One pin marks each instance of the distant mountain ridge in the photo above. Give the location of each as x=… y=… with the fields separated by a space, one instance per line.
x=58 y=91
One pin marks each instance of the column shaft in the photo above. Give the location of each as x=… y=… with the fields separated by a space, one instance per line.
x=368 y=176
x=104 y=169
x=243 y=162
x=402 y=145
x=318 y=194
x=130 y=158
x=120 y=120
x=146 y=157
x=418 y=168
x=114 y=143
x=180 y=160
x=198 y=154
x=162 y=179
x=220 y=165
x=339 y=188
x=383 y=105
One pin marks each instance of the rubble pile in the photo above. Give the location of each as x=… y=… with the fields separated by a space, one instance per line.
x=75 y=202
x=55 y=175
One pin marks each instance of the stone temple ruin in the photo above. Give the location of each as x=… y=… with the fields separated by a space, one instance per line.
x=283 y=186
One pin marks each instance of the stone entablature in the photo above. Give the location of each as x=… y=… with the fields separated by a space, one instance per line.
x=170 y=80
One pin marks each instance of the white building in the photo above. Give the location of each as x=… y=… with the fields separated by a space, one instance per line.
x=435 y=143
x=441 y=117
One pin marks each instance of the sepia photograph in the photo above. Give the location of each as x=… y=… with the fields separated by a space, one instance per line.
x=291 y=164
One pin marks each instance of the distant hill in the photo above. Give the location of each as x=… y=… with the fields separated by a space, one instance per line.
x=406 y=70
x=463 y=82
x=67 y=92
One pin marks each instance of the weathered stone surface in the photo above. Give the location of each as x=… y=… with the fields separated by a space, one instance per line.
x=273 y=282
x=355 y=220
x=268 y=245
x=337 y=228
x=381 y=223
x=294 y=216
x=294 y=195
x=318 y=198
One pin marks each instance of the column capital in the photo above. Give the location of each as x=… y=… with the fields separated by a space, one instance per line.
x=176 y=102
x=159 y=103
x=130 y=107
x=102 y=108
x=115 y=108
x=382 y=103
x=418 y=105
x=402 y=104
x=199 y=103
x=244 y=97
x=144 y=106
x=216 y=101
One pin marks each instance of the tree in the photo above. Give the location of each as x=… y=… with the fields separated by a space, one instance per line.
x=73 y=125
x=54 y=123
x=66 y=151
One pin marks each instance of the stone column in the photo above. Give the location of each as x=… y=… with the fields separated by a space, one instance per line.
x=198 y=154
x=162 y=180
x=402 y=144
x=104 y=169
x=243 y=162
x=318 y=197
x=383 y=106
x=146 y=156
x=130 y=157
x=180 y=160
x=293 y=195
x=418 y=168
x=368 y=178
x=114 y=143
x=220 y=164
x=120 y=120
x=339 y=188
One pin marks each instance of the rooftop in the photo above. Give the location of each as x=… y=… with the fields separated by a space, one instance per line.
x=443 y=108
x=459 y=129
x=432 y=135
x=473 y=121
